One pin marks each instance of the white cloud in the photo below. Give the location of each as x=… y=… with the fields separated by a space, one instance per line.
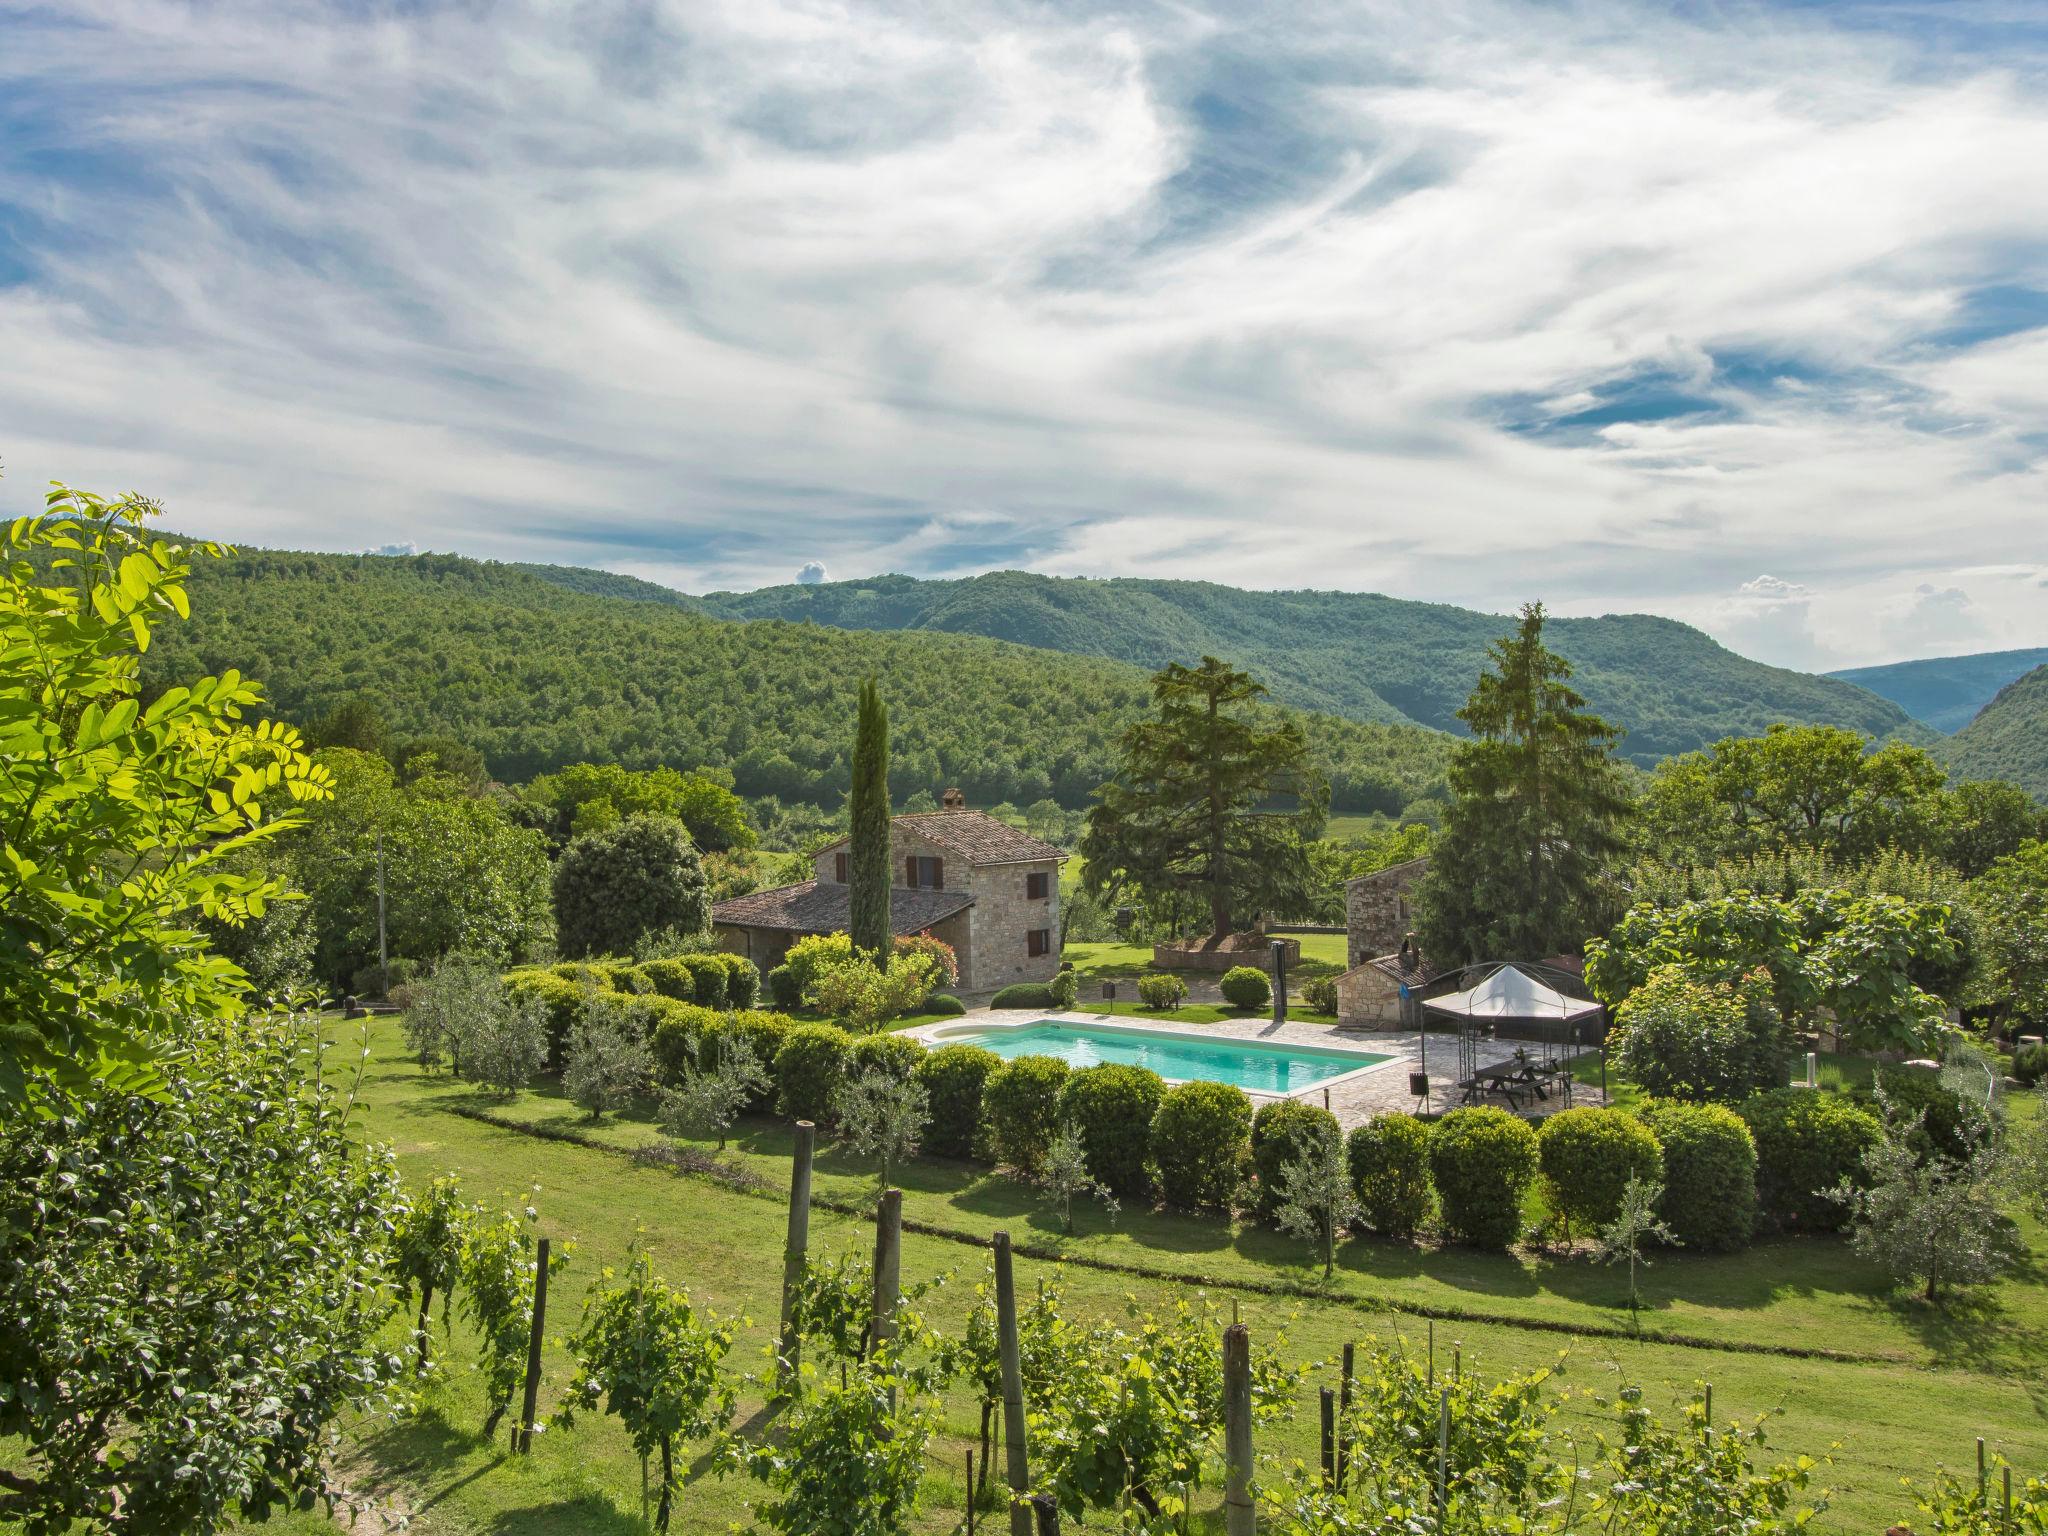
x=812 y=574
x=1270 y=297
x=404 y=547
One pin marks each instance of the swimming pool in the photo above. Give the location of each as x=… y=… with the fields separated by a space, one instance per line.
x=1258 y=1066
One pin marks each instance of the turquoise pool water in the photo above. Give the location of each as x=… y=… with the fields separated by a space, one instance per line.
x=1248 y=1064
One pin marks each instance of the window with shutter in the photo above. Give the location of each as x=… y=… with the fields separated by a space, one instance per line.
x=839 y=866
x=1037 y=887
x=1038 y=942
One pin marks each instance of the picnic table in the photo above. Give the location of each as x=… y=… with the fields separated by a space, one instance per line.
x=1516 y=1077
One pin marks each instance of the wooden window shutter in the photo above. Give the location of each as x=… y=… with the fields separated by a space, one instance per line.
x=910 y=872
x=839 y=862
x=938 y=874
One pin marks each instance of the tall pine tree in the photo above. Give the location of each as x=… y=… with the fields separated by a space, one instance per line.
x=868 y=865
x=1522 y=868
x=1211 y=802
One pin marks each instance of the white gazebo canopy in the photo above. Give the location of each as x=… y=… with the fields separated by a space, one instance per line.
x=1512 y=993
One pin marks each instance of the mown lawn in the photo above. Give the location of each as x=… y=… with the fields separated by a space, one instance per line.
x=1915 y=1387
x=1322 y=954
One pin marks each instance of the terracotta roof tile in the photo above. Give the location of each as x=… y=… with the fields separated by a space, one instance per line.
x=980 y=837
x=816 y=907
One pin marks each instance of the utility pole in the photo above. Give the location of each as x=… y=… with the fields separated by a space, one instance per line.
x=383 y=951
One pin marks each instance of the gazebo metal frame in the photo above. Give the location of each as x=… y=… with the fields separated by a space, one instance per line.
x=1562 y=1038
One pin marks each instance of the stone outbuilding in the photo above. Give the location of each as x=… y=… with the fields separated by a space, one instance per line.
x=1379 y=910
x=983 y=886
x=1386 y=992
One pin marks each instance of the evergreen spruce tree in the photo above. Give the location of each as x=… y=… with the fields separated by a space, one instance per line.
x=867 y=855
x=1211 y=802
x=1521 y=869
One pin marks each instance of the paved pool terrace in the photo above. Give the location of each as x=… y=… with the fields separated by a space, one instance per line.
x=1354 y=1096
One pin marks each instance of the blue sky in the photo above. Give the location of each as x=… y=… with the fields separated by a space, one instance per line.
x=1737 y=313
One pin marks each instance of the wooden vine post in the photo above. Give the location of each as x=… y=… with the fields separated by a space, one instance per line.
x=1016 y=1467
x=1344 y=1409
x=790 y=1349
x=1239 y=1516
x=1329 y=1441
x=888 y=1270
x=522 y=1432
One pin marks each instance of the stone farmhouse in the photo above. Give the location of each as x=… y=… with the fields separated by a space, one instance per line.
x=1377 y=910
x=979 y=884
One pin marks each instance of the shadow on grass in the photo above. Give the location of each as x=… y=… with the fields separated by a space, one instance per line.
x=588 y=1513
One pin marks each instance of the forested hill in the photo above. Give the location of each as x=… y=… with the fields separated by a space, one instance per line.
x=1670 y=687
x=2008 y=739
x=1946 y=691
x=536 y=676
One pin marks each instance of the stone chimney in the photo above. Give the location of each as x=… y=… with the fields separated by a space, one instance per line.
x=953 y=800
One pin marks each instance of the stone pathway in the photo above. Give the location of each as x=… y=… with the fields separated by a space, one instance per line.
x=1353 y=1100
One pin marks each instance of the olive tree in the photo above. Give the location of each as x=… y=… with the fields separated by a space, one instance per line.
x=609 y=1060
x=883 y=1116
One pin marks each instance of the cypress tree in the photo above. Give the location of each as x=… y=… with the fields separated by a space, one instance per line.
x=867 y=855
x=1523 y=868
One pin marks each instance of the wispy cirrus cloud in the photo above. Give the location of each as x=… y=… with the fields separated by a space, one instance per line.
x=1616 y=305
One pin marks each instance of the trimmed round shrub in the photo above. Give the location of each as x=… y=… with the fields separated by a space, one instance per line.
x=1201 y=1141
x=1160 y=991
x=893 y=1055
x=1064 y=989
x=742 y=981
x=582 y=974
x=1950 y=1125
x=1283 y=1131
x=1320 y=995
x=679 y=1032
x=1481 y=1160
x=1245 y=987
x=625 y=976
x=809 y=1068
x=1709 y=1174
x=1112 y=1105
x=1389 y=1159
x=942 y=955
x=671 y=978
x=954 y=1077
x=708 y=972
x=944 y=1004
x=561 y=999
x=615 y=887
x=765 y=1032
x=1025 y=994
x=2030 y=1065
x=1806 y=1142
x=1020 y=1107
x=785 y=988
x=1588 y=1156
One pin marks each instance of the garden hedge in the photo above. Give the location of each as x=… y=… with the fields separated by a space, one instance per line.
x=765 y=1032
x=1588 y=1156
x=1064 y=989
x=891 y=1054
x=1020 y=1108
x=1245 y=988
x=809 y=1068
x=560 y=997
x=945 y=1004
x=680 y=1030
x=1950 y=1125
x=1806 y=1142
x=1481 y=1160
x=1709 y=1174
x=1161 y=992
x=1389 y=1160
x=1283 y=1131
x=582 y=973
x=1025 y=994
x=1112 y=1106
x=954 y=1077
x=1201 y=1142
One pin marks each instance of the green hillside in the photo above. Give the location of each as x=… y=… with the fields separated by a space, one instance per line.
x=1359 y=654
x=2009 y=739
x=536 y=675
x=1946 y=692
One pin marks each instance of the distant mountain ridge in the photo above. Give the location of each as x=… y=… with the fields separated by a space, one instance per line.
x=2008 y=739
x=1367 y=656
x=1946 y=692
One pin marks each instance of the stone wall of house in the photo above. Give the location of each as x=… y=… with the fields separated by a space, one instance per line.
x=764 y=946
x=1368 y=998
x=1003 y=914
x=1379 y=910
x=903 y=844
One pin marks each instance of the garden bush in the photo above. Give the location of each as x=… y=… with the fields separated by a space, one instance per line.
x=941 y=953
x=1025 y=994
x=954 y=1077
x=809 y=1068
x=680 y=1030
x=1160 y=991
x=1112 y=1106
x=1950 y=1125
x=1709 y=1174
x=1481 y=1160
x=1588 y=1156
x=742 y=981
x=671 y=978
x=1320 y=995
x=894 y=1055
x=783 y=987
x=582 y=974
x=789 y=981
x=561 y=999
x=2030 y=1065
x=1389 y=1157
x=1806 y=1143
x=945 y=1004
x=1682 y=1036
x=1246 y=988
x=765 y=1032
x=1065 y=989
x=701 y=978
x=1201 y=1141
x=1020 y=1108
x=1285 y=1131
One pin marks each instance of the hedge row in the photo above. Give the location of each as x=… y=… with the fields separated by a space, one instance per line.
x=711 y=981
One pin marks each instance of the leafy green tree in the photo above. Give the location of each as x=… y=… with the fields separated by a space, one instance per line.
x=616 y=888
x=883 y=1116
x=1522 y=867
x=1684 y=1036
x=124 y=822
x=195 y=1287
x=1212 y=801
x=869 y=864
x=275 y=951
x=651 y=1358
x=864 y=995
x=2012 y=902
x=594 y=797
x=1316 y=1199
x=1980 y=821
x=1634 y=1226
x=609 y=1062
x=1065 y=1174
x=708 y=1102
x=356 y=723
